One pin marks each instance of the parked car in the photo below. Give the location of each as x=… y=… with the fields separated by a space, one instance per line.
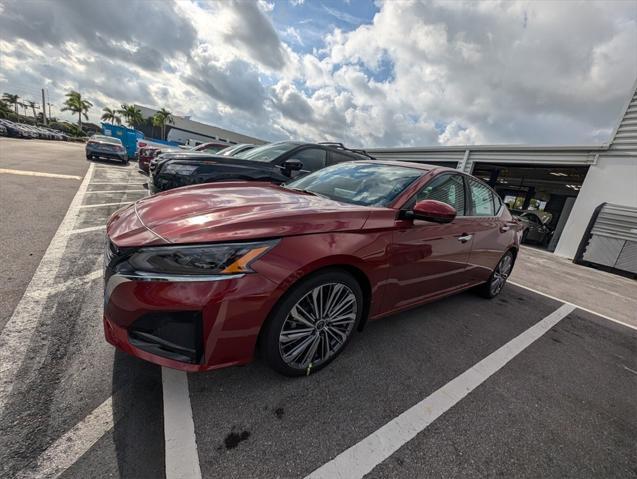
x=106 y=147
x=12 y=129
x=196 y=277
x=275 y=162
x=535 y=230
x=148 y=153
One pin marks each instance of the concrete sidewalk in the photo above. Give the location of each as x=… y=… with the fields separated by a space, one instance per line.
x=598 y=291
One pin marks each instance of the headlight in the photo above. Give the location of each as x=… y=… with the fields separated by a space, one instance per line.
x=179 y=169
x=230 y=258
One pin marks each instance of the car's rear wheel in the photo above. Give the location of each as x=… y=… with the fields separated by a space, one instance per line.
x=313 y=324
x=498 y=278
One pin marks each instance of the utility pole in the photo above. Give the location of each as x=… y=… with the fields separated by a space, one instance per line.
x=44 y=108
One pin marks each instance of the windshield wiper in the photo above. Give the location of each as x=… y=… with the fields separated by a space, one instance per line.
x=309 y=192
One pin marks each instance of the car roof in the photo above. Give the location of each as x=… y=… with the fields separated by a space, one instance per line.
x=411 y=164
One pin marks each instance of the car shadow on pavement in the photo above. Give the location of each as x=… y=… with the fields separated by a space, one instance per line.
x=138 y=433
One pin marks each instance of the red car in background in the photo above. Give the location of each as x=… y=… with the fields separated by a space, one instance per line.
x=196 y=277
x=145 y=155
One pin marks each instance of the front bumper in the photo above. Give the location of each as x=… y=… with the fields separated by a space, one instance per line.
x=186 y=324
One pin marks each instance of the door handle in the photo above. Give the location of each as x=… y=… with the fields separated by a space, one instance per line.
x=464 y=238
x=504 y=229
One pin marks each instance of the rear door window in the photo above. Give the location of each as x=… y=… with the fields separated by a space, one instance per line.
x=482 y=200
x=336 y=157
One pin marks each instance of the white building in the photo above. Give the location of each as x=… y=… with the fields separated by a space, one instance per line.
x=591 y=191
x=184 y=129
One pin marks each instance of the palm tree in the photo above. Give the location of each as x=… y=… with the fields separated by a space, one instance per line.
x=31 y=104
x=132 y=114
x=110 y=115
x=163 y=116
x=12 y=100
x=74 y=103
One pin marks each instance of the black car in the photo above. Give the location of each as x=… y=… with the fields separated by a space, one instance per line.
x=536 y=229
x=274 y=162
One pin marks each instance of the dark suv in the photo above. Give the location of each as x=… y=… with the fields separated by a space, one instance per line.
x=274 y=162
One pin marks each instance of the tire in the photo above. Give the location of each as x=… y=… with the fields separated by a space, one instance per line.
x=498 y=277
x=525 y=234
x=88 y=157
x=311 y=344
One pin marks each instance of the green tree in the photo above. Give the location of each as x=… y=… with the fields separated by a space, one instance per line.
x=111 y=116
x=162 y=117
x=31 y=104
x=5 y=111
x=12 y=100
x=132 y=114
x=76 y=104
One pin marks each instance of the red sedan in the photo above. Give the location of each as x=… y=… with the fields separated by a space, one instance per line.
x=199 y=276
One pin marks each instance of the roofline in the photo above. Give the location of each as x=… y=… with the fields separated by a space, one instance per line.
x=492 y=148
x=624 y=111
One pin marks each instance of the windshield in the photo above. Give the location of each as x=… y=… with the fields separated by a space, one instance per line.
x=267 y=152
x=359 y=183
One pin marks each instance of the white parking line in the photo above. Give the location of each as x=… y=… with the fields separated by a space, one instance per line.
x=364 y=456
x=38 y=173
x=114 y=191
x=64 y=452
x=70 y=284
x=115 y=183
x=87 y=230
x=182 y=459
x=573 y=304
x=17 y=332
x=106 y=204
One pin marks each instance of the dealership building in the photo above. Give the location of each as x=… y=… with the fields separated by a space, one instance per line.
x=184 y=130
x=589 y=191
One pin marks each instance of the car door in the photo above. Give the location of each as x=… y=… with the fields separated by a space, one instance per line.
x=491 y=233
x=430 y=259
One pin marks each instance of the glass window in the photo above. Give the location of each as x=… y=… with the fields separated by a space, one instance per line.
x=336 y=157
x=447 y=189
x=312 y=158
x=268 y=152
x=360 y=183
x=481 y=198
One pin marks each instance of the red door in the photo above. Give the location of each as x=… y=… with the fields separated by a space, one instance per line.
x=428 y=259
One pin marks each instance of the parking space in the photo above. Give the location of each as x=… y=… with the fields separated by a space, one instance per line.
x=70 y=406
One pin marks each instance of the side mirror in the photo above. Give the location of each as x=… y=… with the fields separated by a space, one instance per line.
x=435 y=211
x=292 y=165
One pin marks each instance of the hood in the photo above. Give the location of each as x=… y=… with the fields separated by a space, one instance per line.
x=233 y=211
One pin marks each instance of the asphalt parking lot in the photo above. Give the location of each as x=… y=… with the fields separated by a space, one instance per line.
x=521 y=386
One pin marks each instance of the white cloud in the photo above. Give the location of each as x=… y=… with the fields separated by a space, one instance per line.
x=419 y=73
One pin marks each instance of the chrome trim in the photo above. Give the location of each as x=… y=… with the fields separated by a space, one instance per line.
x=142 y=276
x=139 y=218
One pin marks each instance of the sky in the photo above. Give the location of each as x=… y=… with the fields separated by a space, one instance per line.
x=369 y=74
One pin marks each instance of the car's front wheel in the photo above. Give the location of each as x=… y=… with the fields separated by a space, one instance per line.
x=313 y=324
x=498 y=278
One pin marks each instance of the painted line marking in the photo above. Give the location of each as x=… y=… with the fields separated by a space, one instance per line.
x=38 y=173
x=70 y=284
x=572 y=304
x=24 y=320
x=106 y=204
x=364 y=456
x=115 y=183
x=67 y=449
x=87 y=230
x=114 y=191
x=182 y=458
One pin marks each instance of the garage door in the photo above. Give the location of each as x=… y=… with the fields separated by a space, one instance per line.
x=611 y=239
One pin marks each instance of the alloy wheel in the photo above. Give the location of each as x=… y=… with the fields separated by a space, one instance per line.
x=318 y=325
x=501 y=273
